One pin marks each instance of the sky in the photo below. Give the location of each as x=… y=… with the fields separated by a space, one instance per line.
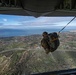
x=29 y=22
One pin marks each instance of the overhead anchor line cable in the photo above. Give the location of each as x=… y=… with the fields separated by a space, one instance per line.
x=66 y=25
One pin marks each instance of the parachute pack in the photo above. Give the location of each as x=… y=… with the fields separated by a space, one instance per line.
x=54 y=40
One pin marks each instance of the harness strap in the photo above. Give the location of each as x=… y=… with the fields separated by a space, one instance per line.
x=54 y=39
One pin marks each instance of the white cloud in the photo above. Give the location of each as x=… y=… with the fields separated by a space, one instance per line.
x=41 y=22
x=5 y=20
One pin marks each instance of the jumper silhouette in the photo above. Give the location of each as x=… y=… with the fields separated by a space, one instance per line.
x=50 y=42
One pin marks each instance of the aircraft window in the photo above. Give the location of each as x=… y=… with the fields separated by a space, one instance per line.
x=20 y=48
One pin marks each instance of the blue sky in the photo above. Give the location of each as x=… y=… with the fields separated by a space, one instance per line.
x=29 y=22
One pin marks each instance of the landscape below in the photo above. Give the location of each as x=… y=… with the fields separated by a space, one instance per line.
x=21 y=55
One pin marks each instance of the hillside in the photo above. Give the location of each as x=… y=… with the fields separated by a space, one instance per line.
x=24 y=55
